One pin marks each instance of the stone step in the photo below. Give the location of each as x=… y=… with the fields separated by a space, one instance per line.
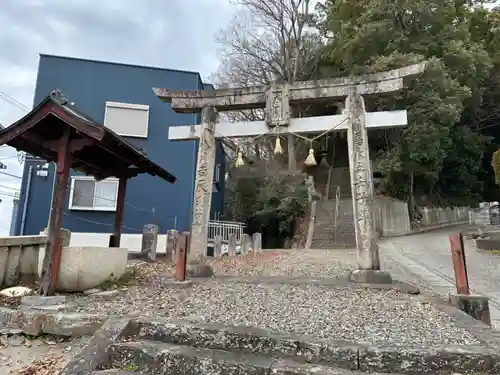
x=159 y=358
x=249 y=340
x=157 y=346
x=330 y=240
x=334 y=246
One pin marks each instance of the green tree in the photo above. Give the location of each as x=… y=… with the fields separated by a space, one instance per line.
x=436 y=155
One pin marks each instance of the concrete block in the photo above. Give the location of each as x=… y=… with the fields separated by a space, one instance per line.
x=149 y=241
x=246 y=243
x=473 y=305
x=84 y=268
x=172 y=236
x=257 y=242
x=371 y=277
x=217 y=246
x=232 y=245
x=42 y=300
x=12 y=269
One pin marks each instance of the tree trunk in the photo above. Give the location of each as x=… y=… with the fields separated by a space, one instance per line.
x=411 y=198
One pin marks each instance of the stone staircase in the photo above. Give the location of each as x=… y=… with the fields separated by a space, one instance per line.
x=158 y=346
x=326 y=236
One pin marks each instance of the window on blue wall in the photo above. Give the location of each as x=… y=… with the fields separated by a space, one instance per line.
x=91 y=195
x=126 y=119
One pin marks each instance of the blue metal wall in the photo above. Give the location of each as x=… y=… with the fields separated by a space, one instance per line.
x=90 y=84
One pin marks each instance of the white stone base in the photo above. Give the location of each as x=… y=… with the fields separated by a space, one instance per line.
x=84 y=268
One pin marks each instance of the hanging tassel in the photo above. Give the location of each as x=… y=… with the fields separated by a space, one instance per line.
x=310 y=160
x=278 y=150
x=239 y=160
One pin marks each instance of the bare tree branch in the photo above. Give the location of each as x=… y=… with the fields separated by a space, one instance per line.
x=267 y=41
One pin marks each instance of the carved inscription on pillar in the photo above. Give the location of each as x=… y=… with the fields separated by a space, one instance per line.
x=203 y=185
x=277 y=106
x=359 y=162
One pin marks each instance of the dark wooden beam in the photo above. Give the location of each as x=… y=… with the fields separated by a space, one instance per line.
x=50 y=271
x=120 y=206
x=18 y=128
x=91 y=130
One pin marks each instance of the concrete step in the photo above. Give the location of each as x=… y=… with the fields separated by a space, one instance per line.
x=158 y=346
x=166 y=347
x=336 y=246
x=153 y=357
x=161 y=358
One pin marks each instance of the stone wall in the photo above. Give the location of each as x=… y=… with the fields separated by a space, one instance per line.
x=393 y=217
x=440 y=216
x=19 y=258
x=482 y=215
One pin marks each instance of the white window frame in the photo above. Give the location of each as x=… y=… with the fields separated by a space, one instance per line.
x=139 y=107
x=71 y=206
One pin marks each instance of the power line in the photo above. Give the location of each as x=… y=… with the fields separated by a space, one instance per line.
x=9 y=99
x=9 y=157
x=10 y=175
x=9 y=187
x=7 y=194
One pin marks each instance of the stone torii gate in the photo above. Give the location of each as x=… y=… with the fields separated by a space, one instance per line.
x=277 y=99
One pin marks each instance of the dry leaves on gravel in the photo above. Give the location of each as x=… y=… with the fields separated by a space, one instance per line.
x=47 y=366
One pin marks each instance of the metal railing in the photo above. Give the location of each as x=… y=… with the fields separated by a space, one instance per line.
x=337 y=207
x=225 y=229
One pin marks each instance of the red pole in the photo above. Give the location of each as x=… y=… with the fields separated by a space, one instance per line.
x=459 y=263
x=54 y=244
x=181 y=256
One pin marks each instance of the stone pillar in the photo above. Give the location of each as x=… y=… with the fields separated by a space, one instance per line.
x=203 y=185
x=149 y=242
x=246 y=243
x=232 y=245
x=65 y=237
x=257 y=242
x=475 y=306
x=362 y=193
x=218 y=245
x=172 y=238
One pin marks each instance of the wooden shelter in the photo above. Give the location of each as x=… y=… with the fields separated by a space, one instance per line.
x=57 y=132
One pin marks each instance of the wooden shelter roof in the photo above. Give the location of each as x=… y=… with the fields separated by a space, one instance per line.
x=102 y=152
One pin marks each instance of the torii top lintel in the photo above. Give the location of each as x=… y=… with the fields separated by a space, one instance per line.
x=193 y=101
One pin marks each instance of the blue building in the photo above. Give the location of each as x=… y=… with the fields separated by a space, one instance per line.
x=119 y=96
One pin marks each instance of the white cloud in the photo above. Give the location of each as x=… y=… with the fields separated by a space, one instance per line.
x=176 y=34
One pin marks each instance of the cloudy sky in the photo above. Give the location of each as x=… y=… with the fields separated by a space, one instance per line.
x=175 y=34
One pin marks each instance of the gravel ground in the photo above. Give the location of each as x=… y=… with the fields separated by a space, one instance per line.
x=325 y=312
x=149 y=296
x=315 y=263
x=340 y=313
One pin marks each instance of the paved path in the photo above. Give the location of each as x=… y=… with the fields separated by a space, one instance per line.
x=425 y=259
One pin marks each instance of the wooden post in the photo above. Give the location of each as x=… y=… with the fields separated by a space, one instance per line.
x=50 y=271
x=115 y=238
x=181 y=256
x=459 y=263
